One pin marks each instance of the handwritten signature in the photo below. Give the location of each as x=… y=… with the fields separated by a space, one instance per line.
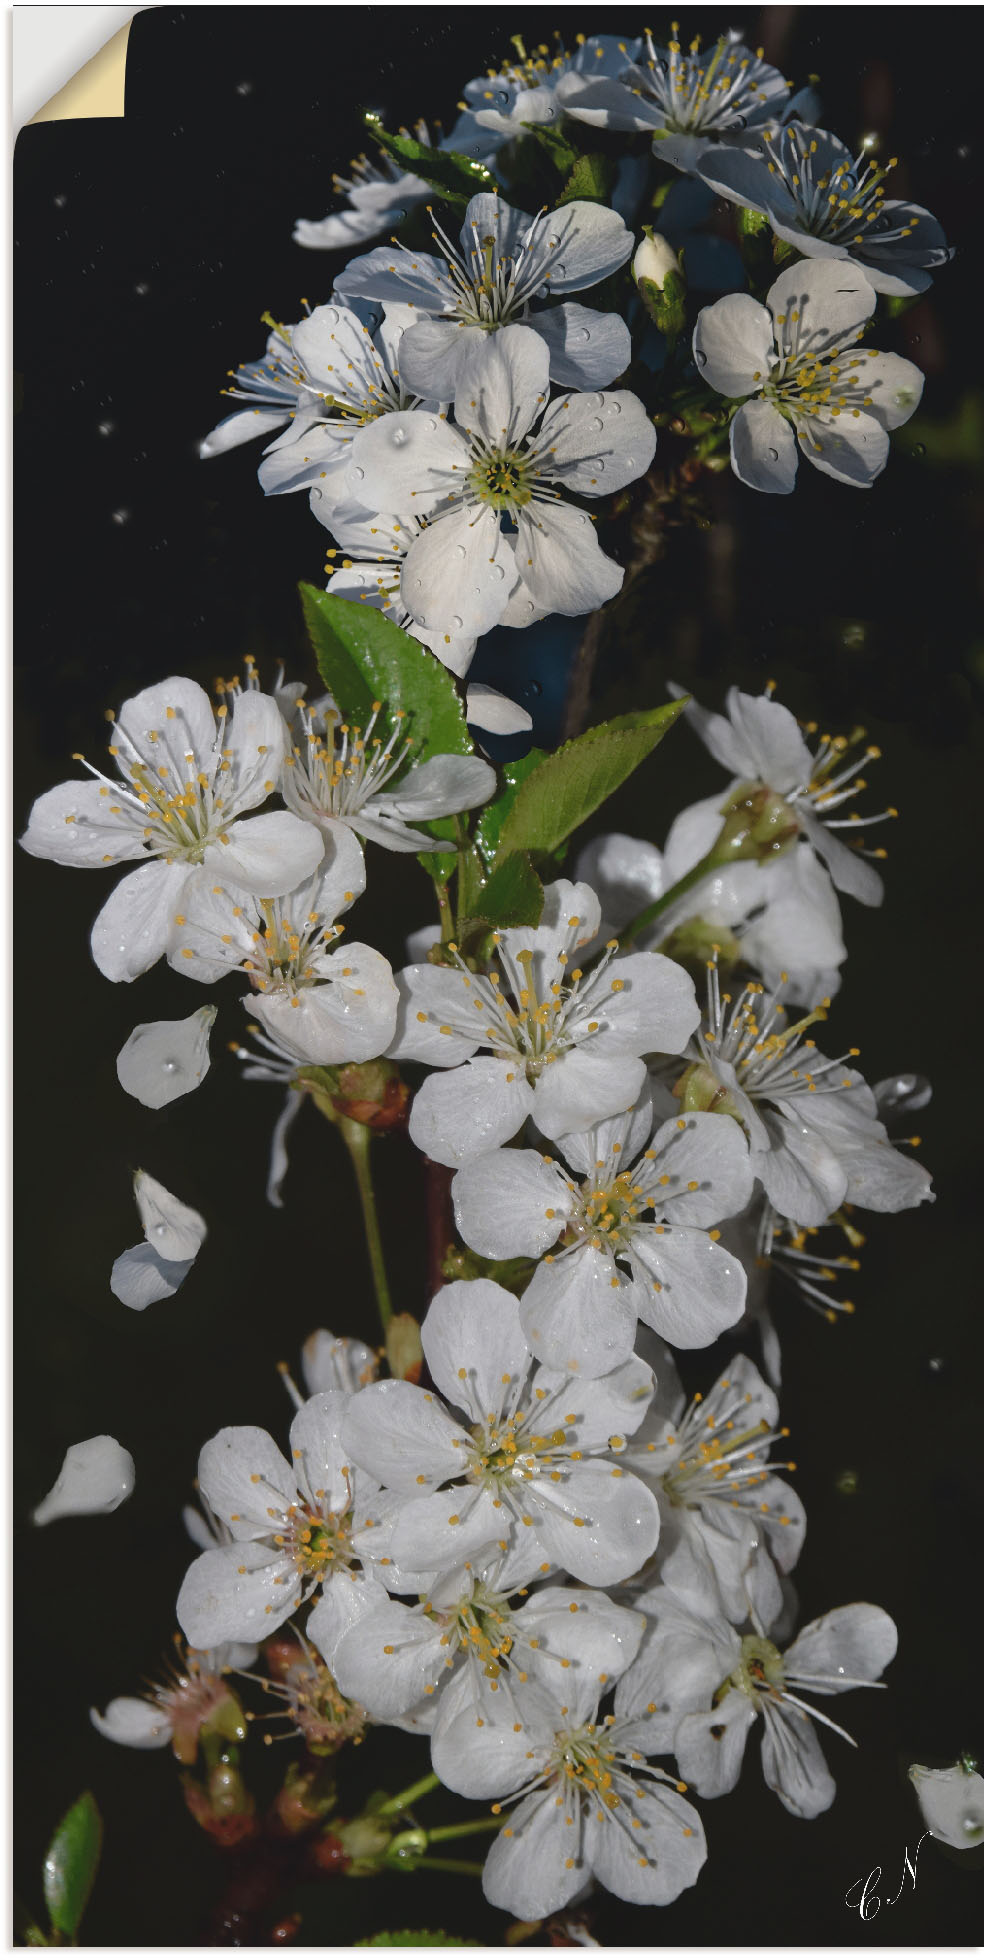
x=863 y=1896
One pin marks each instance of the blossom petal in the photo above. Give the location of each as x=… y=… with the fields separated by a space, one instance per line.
x=652 y=1006
x=627 y=874
x=349 y=1017
x=131 y=931
x=734 y=344
x=560 y=561
x=493 y=712
x=850 y=446
x=705 y=1151
x=433 y=998
x=404 y=1436
x=695 y=1290
x=238 y=1592
x=502 y=1203
x=800 y=1172
x=598 y=443
x=474 y=1348
x=433 y=355
x=75 y=824
x=952 y=1802
x=457 y=1116
x=451 y=1526
x=612 y=1143
x=175 y=717
x=390 y=1659
x=709 y=1745
x=140 y=1277
x=392 y=274
x=794 y=1763
x=96 y=1476
x=581 y=1087
x=596 y=1409
x=175 y=1230
x=458 y=574
x=652 y=1866
x=443 y=784
x=138 y=1724
x=849 y=870
x=502 y=390
x=240 y=1471
x=266 y=855
x=405 y=462
x=243 y=426
x=315 y=1439
x=534 y=1866
x=599 y=1525
x=832 y=296
x=843 y=1649
x=577 y=1314
x=607 y=104
x=162 y=1060
x=763 y=450
x=587 y=349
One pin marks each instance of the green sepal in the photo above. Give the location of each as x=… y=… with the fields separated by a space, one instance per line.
x=896 y=303
x=750 y=224
x=665 y=304
x=454 y=177
x=570 y=785
x=70 y=1865
x=591 y=178
x=363 y=657
x=515 y=1275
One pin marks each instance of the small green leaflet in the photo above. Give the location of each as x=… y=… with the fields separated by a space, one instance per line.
x=363 y=657
x=495 y=814
x=416 y=1939
x=563 y=154
x=70 y=1865
x=511 y=896
x=453 y=177
x=568 y=787
x=591 y=178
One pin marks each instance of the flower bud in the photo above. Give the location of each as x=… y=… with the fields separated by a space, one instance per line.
x=404 y=1351
x=363 y=1841
x=221 y=1804
x=700 y=1088
x=406 y=1850
x=654 y=258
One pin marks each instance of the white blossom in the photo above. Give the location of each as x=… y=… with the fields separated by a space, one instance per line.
x=193 y=1695
x=161 y=1060
x=174 y=1233
x=375 y=195
x=96 y=1476
x=187 y=776
x=497 y=108
x=816 y=1141
x=687 y=100
x=760 y=742
x=826 y=203
x=560 y=1045
x=650 y=1209
x=534 y=1469
x=342 y=777
x=799 y=357
x=504 y=262
x=465 y=572
x=587 y=1802
x=320 y=1005
x=952 y=1802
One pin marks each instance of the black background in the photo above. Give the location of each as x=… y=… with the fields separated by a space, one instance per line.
x=146 y=249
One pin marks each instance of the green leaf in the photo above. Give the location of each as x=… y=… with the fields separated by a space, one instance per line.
x=495 y=814
x=512 y=896
x=363 y=657
x=563 y=154
x=70 y=1865
x=665 y=304
x=454 y=177
x=570 y=785
x=750 y=224
x=591 y=178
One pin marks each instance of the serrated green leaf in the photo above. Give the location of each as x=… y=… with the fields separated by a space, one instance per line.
x=454 y=177
x=563 y=154
x=512 y=896
x=570 y=785
x=70 y=1865
x=591 y=178
x=363 y=657
x=494 y=816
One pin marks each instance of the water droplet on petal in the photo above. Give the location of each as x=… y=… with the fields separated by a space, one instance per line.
x=460 y=551
x=169 y=1067
x=599 y=401
x=596 y=422
x=773 y=454
x=399 y=438
x=498 y=572
x=701 y=358
x=583 y=334
x=919 y=449
x=598 y=463
x=457 y=622
x=360 y=474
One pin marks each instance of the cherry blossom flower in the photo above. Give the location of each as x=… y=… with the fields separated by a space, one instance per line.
x=195 y=1695
x=729 y=1525
x=587 y=1802
x=187 y=777
x=322 y=379
x=649 y=1209
x=687 y=100
x=321 y=1006
x=161 y=1060
x=778 y=913
x=96 y=1476
x=174 y=1233
x=465 y=572
x=498 y=107
x=799 y=355
x=338 y=777
x=826 y=203
x=293 y=1527
x=376 y=195
x=816 y=1141
x=503 y=263
x=721 y=1681
x=761 y=743
x=952 y=1802
x=535 y=1468
x=562 y=1046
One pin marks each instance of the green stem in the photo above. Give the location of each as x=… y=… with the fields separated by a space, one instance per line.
x=463 y=1865
x=444 y=910
x=470 y=1829
x=410 y=1796
x=712 y=862
x=359 y=1140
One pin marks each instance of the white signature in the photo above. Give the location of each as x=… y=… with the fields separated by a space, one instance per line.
x=863 y=1896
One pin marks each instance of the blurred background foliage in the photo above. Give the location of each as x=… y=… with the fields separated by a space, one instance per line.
x=146 y=250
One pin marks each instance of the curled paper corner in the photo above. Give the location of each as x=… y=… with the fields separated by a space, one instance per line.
x=71 y=63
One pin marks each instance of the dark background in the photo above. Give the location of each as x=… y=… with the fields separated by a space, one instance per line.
x=146 y=249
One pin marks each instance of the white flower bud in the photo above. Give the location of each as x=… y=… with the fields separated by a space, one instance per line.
x=654 y=258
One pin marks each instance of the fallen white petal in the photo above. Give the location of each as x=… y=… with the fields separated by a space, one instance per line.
x=95 y=1476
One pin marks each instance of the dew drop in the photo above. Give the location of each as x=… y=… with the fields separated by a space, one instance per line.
x=502 y=96
x=120 y=516
x=554 y=241
x=919 y=449
x=598 y=463
x=596 y=422
x=583 y=334
x=169 y=1067
x=599 y=401
x=457 y=622
x=460 y=552
x=773 y=453
x=614 y=408
x=532 y=690
x=360 y=474
x=498 y=572
x=701 y=358
x=399 y=438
